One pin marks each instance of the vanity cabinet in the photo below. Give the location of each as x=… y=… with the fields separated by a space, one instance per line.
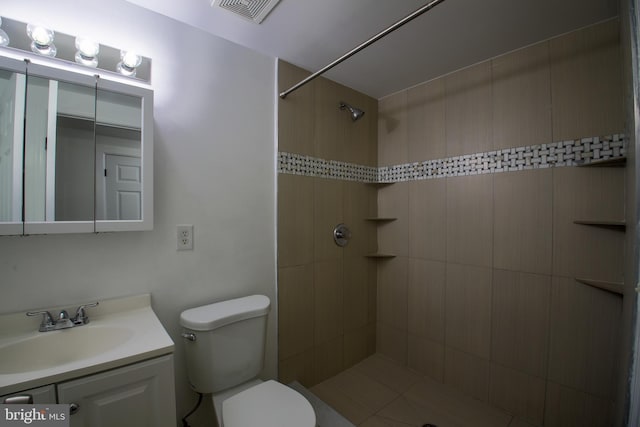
x=137 y=395
x=141 y=394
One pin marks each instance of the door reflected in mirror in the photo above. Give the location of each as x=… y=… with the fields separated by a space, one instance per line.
x=118 y=157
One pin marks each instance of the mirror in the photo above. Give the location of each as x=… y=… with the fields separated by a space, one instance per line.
x=83 y=162
x=12 y=102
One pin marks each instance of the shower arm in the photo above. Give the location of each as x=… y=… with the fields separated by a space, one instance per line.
x=361 y=46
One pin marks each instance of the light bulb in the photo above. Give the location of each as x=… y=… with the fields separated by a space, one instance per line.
x=87 y=51
x=129 y=61
x=42 y=40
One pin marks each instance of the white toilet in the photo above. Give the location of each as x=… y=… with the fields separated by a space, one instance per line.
x=225 y=345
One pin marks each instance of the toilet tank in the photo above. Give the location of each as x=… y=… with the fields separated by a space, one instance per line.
x=227 y=344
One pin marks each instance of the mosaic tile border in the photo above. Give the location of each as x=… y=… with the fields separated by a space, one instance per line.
x=555 y=154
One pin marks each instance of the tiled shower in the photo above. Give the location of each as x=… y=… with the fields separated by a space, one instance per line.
x=499 y=264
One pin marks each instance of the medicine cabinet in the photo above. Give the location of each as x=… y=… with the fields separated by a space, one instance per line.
x=76 y=152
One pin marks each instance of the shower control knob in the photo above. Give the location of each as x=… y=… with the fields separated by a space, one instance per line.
x=341 y=235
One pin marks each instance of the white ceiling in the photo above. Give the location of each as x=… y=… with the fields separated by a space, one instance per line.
x=453 y=35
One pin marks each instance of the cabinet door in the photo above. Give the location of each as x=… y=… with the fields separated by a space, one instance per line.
x=41 y=395
x=138 y=395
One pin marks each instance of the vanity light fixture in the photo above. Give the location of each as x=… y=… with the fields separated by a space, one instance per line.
x=129 y=61
x=87 y=53
x=42 y=40
x=4 y=37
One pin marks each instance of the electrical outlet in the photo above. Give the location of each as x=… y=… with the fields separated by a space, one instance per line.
x=185 y=237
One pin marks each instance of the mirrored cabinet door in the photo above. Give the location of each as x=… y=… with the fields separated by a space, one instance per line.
x=124 y=157
x=59 y=152
x=12 y=103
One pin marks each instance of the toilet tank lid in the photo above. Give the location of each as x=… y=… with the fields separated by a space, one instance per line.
x=222 y=313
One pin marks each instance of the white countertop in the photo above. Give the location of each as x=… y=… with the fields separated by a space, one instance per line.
x=145 y=338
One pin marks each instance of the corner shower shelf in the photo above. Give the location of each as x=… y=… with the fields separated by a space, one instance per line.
x=615 y=225
x=380 y=184
x=613 y=287
x=617 y=162
x=379 y=255
x=380 y=219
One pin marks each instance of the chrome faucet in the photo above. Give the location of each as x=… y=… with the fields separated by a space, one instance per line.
x=62 y=321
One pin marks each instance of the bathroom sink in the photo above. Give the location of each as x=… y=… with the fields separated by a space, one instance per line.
x=121 y=331
x=49 y=349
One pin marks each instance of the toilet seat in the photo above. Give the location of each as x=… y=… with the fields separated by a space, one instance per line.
x=269 y=404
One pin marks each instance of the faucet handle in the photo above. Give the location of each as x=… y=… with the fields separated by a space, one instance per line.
x=47 y=321
x=81 y=316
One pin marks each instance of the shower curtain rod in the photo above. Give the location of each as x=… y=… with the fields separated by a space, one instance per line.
x=361 y=46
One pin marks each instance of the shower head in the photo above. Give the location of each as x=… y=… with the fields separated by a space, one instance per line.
x=356 y=113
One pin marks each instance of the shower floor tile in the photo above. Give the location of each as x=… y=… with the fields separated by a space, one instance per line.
x=378 y=392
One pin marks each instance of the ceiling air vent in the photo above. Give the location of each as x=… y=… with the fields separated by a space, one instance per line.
x=253 y=10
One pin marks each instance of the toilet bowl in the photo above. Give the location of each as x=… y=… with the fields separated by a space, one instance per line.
x=269 y=404
x=225 y=345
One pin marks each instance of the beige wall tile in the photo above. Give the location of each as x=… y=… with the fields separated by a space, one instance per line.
x=296 y=113
x=467 y=373
x=392 y=292
x=393 y=202
x=468 y=309
x=295 y=220
x=586 y=82
x=584 y=251
x=360 y=202
x=520 y=321
x=523 y=217
x=392 y=130
x=518 y=393
x=428 y=219
x=566 y=407
x=328 y=359
x=328 y=291
x=328 y=212
x=295 y=310
x=356 y=345
x=358 y=276
x=584 y=342
x=522 y=98
x=391 y=342
x=470 y=220
x=468 y=109
x=426 y=303
x=358 y=143
x=297 y=368
x=330 y=121
x=426 y=356
x=426 y=121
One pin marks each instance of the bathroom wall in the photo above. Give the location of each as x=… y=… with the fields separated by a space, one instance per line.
x=214 y=168
x=327 y=294
x=482 y=293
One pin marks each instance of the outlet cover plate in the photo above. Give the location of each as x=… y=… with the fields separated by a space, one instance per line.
x=184 y=237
